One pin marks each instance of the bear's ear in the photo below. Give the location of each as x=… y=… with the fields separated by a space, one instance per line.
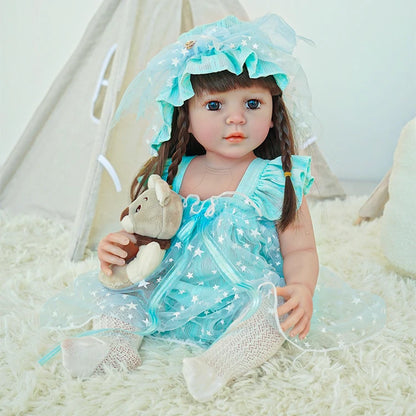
x=163 y=192
x=153 y=179
x=124 y=213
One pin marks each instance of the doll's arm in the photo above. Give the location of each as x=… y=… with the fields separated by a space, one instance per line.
x=110 y=250
x=300 y=269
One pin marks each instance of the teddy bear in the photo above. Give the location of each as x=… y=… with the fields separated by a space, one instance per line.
x=154 y=218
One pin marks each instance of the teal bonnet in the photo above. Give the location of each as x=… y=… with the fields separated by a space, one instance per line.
x=264 y=46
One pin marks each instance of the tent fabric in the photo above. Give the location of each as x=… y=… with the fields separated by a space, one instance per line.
x=326 y=184
x=374 y=206
x=57 y=167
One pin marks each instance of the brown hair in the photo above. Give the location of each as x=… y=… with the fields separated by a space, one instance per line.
x=279 y=141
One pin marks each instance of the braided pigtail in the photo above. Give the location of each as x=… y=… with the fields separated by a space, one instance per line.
x=175 y=148
x=287 y=148
x=155 y=165
x=180 y=131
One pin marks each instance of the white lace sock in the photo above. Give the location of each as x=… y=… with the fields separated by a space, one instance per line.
x=245 y=345
x=83 y=357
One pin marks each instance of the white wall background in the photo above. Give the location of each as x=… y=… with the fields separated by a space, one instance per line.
x=361 y=72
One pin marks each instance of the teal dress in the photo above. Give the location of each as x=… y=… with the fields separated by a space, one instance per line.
x=223 y=262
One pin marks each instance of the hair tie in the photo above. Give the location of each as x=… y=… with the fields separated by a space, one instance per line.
x=288 y=174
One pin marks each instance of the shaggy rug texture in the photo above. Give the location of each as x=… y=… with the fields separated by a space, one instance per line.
x=377 y=377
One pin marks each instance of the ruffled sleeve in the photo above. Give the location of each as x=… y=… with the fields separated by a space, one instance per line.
x=268 y=191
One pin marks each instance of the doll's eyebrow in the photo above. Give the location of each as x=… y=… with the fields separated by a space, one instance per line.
x=208 y=97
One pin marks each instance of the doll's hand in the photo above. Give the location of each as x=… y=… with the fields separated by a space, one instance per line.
x=298 y=304
x=110 y=250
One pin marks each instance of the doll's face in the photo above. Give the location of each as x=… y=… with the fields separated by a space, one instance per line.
x=233 y=123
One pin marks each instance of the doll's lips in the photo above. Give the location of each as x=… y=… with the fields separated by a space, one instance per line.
x=235 y=137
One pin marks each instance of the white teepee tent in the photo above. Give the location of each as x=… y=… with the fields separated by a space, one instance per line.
x=374 y=206
x=376 y=202
x=57 y=166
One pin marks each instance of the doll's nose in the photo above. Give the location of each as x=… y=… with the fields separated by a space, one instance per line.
x=236 y=117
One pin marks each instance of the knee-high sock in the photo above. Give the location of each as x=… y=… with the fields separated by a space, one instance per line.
x=245 y=345
x=118 y=349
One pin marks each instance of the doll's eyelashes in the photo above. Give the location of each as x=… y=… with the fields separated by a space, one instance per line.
x=253 y=104
x=213 y=105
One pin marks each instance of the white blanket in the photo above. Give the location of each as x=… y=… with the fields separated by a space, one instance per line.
x=376 y=377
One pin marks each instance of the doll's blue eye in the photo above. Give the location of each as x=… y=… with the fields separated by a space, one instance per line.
x=253 y=104
x=213 y=105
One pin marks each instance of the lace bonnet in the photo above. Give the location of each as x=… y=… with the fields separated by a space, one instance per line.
x=265 y=46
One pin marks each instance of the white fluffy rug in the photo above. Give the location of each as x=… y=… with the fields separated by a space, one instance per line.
x=374 y=378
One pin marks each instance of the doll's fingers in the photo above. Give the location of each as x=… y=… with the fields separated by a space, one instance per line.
x=117 y=261
x=292 y=319
x=287 y=307
x=300 y=326
x=131 y=237
x=114 y=250
x=305 y=332
x=284 y=292
x=112 y=259
x=119 y=238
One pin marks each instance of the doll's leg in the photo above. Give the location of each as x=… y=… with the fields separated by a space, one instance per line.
x=244 y=346
x=83 y=357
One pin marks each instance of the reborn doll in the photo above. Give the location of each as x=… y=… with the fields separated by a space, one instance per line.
x=244 y=257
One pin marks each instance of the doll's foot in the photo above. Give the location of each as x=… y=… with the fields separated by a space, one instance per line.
x=201 y=379
x=83 y=357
